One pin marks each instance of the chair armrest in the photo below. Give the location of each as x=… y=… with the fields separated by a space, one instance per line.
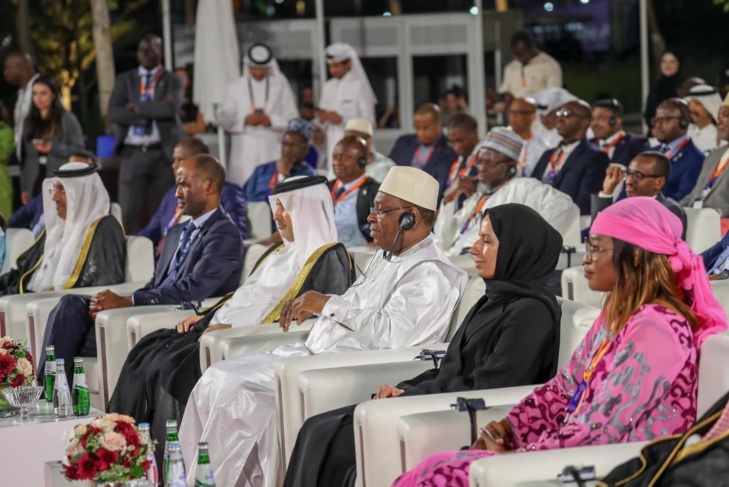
x=13 y=315
x=508 y=470
x=112 y=347
x=451 y=428
x=324 y=390
x=210 y=351
x=139 y=326
x=37 y=313
x=375 y=425
x=246 y=345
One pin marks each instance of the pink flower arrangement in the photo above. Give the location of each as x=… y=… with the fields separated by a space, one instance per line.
x=16 y=364
x=109 y=449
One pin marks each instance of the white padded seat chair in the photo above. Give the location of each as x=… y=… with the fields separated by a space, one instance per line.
x=703 y=228
x=17 y=241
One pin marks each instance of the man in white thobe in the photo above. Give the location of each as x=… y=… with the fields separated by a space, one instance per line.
x=255 y=111
x=405 y=298
x=346 y=95
x=498 y=184
x=704 y=103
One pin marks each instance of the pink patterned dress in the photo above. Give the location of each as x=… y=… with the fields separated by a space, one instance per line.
x=642 y=388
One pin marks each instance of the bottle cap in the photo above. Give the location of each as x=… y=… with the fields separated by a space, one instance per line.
x=60 y=361
x=203 y=445
x=143 y=426
x=171 y=423
x=78 y=360
x=50 y=348
x=174 y=446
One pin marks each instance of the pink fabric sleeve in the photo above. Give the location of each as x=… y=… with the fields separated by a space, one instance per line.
x=641 y=380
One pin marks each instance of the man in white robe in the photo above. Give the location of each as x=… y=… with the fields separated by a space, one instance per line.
x=457 y=229
x=704 y=103
x=346 y=95
x=404 y=298
x=255 y=111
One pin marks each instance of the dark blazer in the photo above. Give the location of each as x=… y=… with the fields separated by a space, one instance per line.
x=231 y=199
x=439 y=164
x=27 y=215
x=718 y=195
x=164 y=109
x=629 y=146
x=711 y=255
x=212 y=267
x=599 y=204
x=685 y=169
x=581 y=175
x=365 y=201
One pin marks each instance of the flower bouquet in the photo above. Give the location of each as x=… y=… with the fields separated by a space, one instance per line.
x=108 y=450
x=16 y=372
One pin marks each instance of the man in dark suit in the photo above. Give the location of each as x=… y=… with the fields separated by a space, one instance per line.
x=353 y=191
x=200 y=258
x=670 y=126
x=232 y=198
x=145 y=106
x=607 y=125
x=646 y=176
x=575 y=167
x=427 y=148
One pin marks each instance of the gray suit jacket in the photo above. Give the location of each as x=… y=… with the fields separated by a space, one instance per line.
x=599 y=204
x=718 y=197
x=68 y=139
x=164 y=109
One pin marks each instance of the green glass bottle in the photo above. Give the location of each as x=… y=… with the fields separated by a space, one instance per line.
x=204 y=473
x=81 y=398
x=50 y=372
x=172 y=437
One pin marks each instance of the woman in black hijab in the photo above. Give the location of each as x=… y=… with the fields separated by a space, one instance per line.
x=509 y=338
x=666 y=86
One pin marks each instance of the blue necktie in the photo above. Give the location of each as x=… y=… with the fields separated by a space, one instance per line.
x=664 y=148
x=339 y=192
x=180 y=255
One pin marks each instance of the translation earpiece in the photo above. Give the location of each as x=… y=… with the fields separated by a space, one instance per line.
x=407 y=221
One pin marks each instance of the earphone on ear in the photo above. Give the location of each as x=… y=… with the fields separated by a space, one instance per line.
x=612 y=121
x=683 y=107
x=407 y=221
x=511 y=172
x=362 y=161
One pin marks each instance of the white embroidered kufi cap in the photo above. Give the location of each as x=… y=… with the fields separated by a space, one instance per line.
x=412 y=185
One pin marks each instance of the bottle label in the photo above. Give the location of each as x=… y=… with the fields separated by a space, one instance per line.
x=205 y=478
x=51 y=367
x=79 y=380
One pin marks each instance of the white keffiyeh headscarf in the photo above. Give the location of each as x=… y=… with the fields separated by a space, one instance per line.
x=86 y=201
x=340 y=52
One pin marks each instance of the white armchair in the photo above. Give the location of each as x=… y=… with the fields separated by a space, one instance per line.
x=509 y=471
x=575 y=287
x=703 y=228
x=17 y=241
x=259 y=217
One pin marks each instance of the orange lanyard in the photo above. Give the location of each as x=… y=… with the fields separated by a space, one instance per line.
x=606 y=148
x=149 y=90
x=590 y=370
x=355 y=187
x=274 y=181
x=416 y=156
x=464 y=170
x=524 y=157
x=669 y=154
x=555 y=162
x=720 y=168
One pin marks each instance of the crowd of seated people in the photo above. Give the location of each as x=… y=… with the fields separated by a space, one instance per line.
x=510 y=198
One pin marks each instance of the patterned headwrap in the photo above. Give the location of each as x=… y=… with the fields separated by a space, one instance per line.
x=304 y=127
x=648 y=224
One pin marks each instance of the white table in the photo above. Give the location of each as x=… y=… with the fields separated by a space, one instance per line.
x=27 y=447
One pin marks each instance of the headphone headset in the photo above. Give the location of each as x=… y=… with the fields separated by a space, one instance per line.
x=362 y=161
x=511 y=172
x=682 y=106
x=614 y=106
x=407 y=221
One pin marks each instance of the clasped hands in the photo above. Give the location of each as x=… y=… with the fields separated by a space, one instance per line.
x=257 y=118
x=108 y=300
x=325 y=116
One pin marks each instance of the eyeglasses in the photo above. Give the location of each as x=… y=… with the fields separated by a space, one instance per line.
x=592 y=251
x=638 y=176
x=662 y=120
x=491 y=164
x=564 y=113
x=380 y=214
x=53 y=191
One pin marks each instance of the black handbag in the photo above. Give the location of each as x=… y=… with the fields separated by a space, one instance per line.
x=669 y=462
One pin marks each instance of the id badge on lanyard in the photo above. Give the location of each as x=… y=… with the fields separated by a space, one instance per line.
x=146 y=93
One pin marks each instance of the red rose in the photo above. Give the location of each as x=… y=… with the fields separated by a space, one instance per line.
x=71 y=471
x=29 y=358
x=110 y=457
x=129 y=432
x=7 y=364
x=18 y=380
x=86 y=467
x=126 y=463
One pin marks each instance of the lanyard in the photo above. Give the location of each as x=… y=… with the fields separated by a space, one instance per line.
x=273 y=182
x=555 y=162
x=336 y=199
x=475 y=213
x=717 y=172
x=455 y=172
x=524 y=157
x=173 y=221
x=253 y=102
x=416 y=157
x=606 y=148
x=669 y=154
x=148 y=91
x=579 y=395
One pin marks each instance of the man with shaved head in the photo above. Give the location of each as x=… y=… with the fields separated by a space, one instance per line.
x=19 y=71
x=575 y=167
x=427 y=148
x=353 y=192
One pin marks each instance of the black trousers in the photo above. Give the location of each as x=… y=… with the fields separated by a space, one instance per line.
x=140 y=173
x=71 y=331
x=324 y=454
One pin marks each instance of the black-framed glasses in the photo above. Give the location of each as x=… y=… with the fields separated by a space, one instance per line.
x=661 y=120
x=491 y=164
x=380 y=214
x=565 y=113
x=592 y=251
x=638 y=176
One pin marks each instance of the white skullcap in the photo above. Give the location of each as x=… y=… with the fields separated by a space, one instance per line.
x=339 y=52
x=707 y=96
x=359 y=125
x=550 y=98
x=412 y=185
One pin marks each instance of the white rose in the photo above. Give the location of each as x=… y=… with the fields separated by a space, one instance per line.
x=3 y=351
x=25 y=367
x=80 y=430
x=103 y=423
x=113 y=441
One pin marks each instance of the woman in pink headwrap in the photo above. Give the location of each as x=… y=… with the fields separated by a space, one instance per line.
x=634 y=376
